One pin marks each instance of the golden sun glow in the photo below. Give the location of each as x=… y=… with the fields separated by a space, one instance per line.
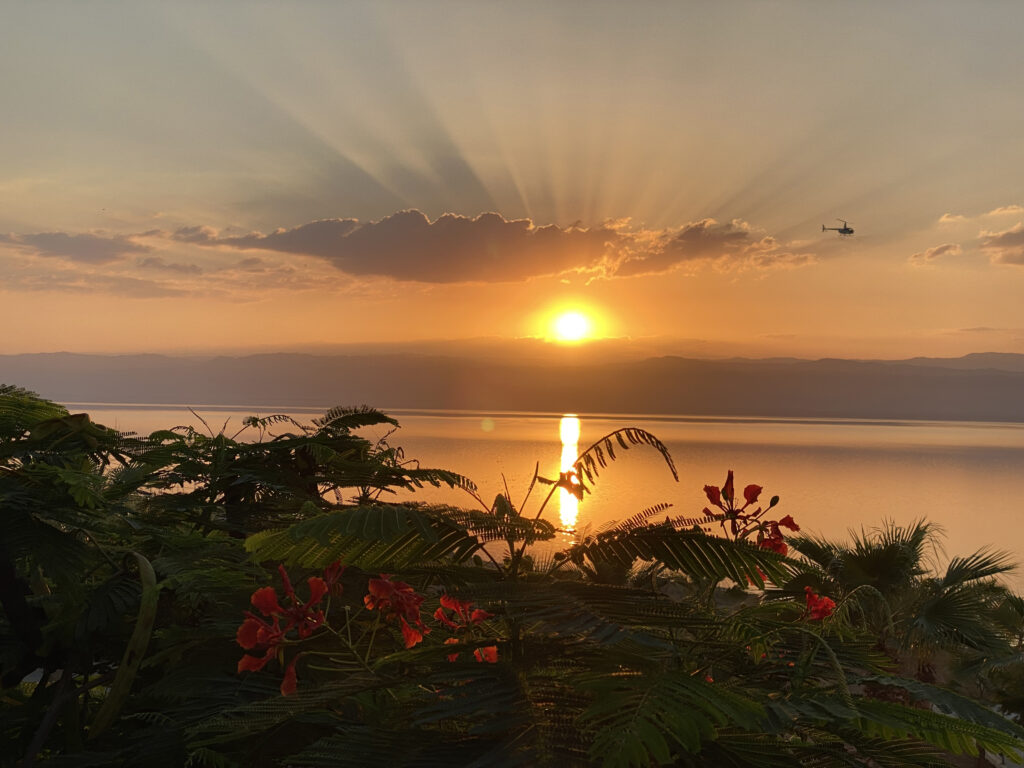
x=568 y=505
x=571 y=326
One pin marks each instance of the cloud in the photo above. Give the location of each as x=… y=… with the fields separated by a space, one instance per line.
x=728 y=246
x=489 y=248
x=85 y=248
x=1006 y=247
x=451 y=249
x=158 y=264
x=1007 y=210
x=1002 y=246
x=931 y=254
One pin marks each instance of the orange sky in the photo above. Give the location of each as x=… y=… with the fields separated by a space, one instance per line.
x=252 y=176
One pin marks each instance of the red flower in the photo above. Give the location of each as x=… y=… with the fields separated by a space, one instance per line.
x=463 y=616
x=775 y=544
x=396 y=599
x=818 y=608
x=264 y=600
x=463 y=610
x=789 y=522
x=265 y=637
x=488 y=654
x=750 y=493
x=461 y=607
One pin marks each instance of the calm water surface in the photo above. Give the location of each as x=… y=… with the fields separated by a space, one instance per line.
x=831 y=475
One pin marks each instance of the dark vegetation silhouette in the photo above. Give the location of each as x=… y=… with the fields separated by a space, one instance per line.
x=253 y=599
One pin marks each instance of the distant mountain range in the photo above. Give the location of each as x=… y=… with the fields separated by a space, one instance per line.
x=981 y=387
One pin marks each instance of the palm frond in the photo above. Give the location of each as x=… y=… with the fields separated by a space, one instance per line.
x=820 y=551
x=983 y=564
x=956 y=616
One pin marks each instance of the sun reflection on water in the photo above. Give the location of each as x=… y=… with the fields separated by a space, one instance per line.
x=568 y=505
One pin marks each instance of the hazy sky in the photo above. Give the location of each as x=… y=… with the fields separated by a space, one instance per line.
x=249 y=175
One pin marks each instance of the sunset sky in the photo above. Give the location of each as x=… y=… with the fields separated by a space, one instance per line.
x=185 y=177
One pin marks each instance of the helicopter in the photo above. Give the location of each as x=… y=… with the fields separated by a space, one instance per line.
x=843 y=231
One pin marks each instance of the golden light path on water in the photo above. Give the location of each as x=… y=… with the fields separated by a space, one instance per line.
x=568 y=505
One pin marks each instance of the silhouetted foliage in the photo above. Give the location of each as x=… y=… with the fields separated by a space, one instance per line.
x=197 y=598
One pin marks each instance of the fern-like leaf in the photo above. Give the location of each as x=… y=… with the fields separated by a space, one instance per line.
x=643 y=719
x=596 y=456
x=371 y=537
x=693 y=553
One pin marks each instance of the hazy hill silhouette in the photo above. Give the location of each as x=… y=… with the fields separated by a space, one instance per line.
x=984 y=387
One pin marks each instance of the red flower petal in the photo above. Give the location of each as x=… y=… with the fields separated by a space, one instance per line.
x=789 y=522
x=714 y=495
x=441 y=616
x=411 y=636
x=480 y=615
x=751 y=492
x=488 y=654
x=381 y=588
x=775 y=544
x=265 y=601
x=246 y=636
x=254 y=663
x=289 y=683
x=461 y=607
x=317 y=590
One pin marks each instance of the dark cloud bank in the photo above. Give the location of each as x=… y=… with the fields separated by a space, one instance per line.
x=408 y=246
x=490 y=248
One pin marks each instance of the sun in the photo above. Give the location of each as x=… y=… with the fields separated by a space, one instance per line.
x=571 y=326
